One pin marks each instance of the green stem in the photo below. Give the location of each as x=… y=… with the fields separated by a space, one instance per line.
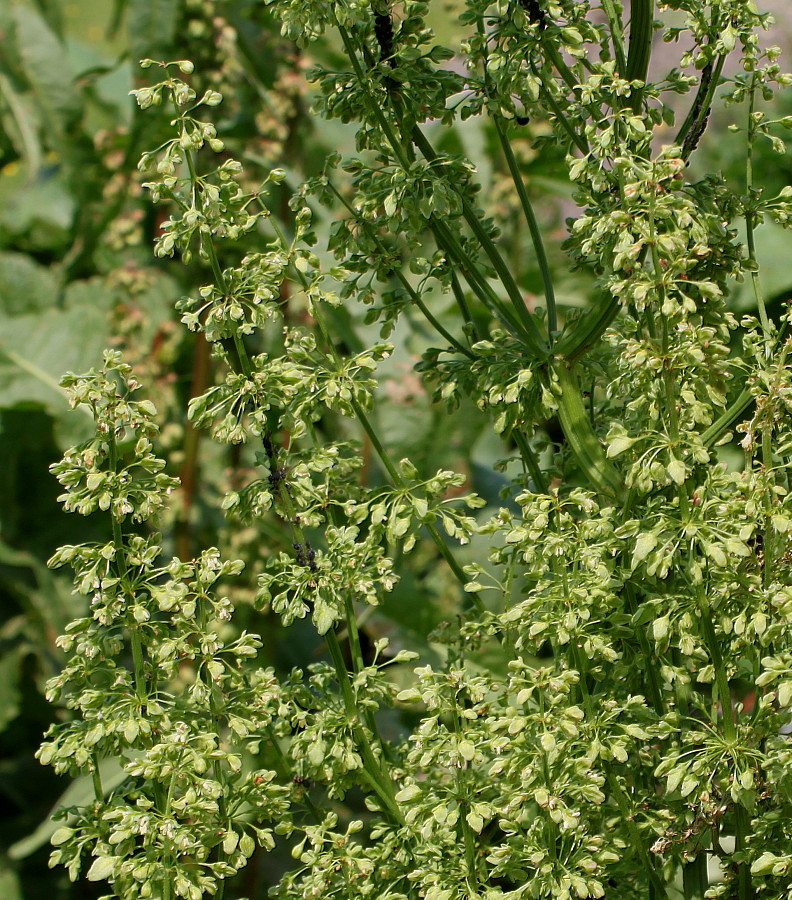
x=729 y=724
x=524 y=321
x=96 y=777
x=530 y=460
x=649 y=657
x=711 y=434
x=694 y=877
x=561 y=67
x=449 y=243
x=459 y=294
x=577 y=429
x=579 y=141
x=750 y=219
x=588 y=329
x=641 y=22
x=579 y=662
x=533 y=228
x=374 y=105
x=617 y=35
x=468 y=837
x=373 y=768
x=356 y=652
x=379 y=780
x=699 y=111
x=639 y=846
x=721 y=678
x=138 y=665
x=529 y=329
x=414 y=295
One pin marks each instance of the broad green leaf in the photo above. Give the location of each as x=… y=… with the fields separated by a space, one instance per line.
x=38 y=212
x=79 y=793
x=47 y=69
x=25 y=286
x=36 y=350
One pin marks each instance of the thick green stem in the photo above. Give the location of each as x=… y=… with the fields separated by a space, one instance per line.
x=468 y=837
x=649 y=657
x=588 y=329
x=577 y=429
x=696 y=120
x=459 y=295
x=96 y=778
x=735 y=410
x=533 y=228
x=641 y=22
x=639 y=846
x=694 y=877
x=530 y=460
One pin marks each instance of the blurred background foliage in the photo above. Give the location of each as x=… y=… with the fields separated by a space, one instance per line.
x=77 y=274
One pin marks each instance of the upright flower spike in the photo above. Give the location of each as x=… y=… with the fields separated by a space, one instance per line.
x=174 y=810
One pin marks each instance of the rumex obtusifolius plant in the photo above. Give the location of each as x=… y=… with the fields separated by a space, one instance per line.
x=610 y=711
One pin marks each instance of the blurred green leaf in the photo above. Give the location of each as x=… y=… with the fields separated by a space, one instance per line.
x=10 y=888
x=25 y=286
x=9 y=686
x=79 y=793
x=36 y=349
x=152 y=28
x=46 y=67
x=36 y=215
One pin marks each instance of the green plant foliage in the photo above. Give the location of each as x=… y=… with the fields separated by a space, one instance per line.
x=594 y=699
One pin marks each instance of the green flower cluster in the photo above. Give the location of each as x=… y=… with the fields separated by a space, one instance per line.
x=608 y=713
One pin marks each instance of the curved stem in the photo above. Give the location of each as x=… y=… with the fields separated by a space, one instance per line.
x=696 y=121
x=529 y=457
x=588 y=329
x=577 y=429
